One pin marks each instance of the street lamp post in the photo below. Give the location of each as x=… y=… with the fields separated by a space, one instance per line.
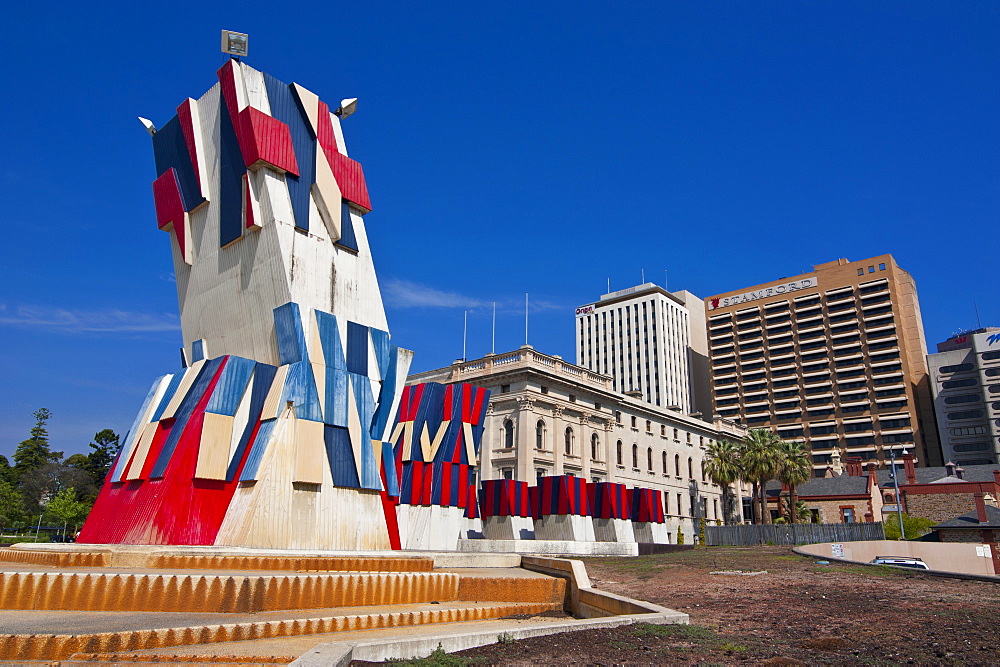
x=895 y=485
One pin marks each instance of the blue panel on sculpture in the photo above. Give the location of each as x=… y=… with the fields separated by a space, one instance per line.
x=184 y=359
x=357 y=348
x=337 y=397
x=263 y=376
x=232 y=169
x=387 y=391
x=300 y=389
x=366 y=408
x=329 y=338
x=288 y=331
x=260 y=443
x=136 y=429
x=231 y=386
x=341 y=456
x=175 y=382
x=348 y=238
x=389 y=466
x=170 y=150
x=446 y=452
x=380 y=343
x=184 y=412
x=285 y=108
x=429 y=414
x=198 y=350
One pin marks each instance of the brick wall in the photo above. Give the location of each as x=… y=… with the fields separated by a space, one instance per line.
x=939 y=506
x=829 y=510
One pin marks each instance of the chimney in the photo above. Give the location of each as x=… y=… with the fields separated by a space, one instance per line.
x=853 y=466
x=837 y=469
x=960 y=472
x=872 y=475
x=996 y=481
x=911 y=472
x=981 y=508
x=949 y=469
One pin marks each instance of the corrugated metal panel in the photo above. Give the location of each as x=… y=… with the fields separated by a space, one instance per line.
x=184 y=412
x=258 y=449
x=300 y=389
x=263 y=376
x=171 y=152
x=231 y=386
x=384 y=412
x=168 y=394
x=357 y=348
x=329 y=336
x=267 y=139
x=348 y=238
x=337 y=396
x=231 y=170
x=285 y=108
x=341 y=456
x=141 y=419
x=289 y=334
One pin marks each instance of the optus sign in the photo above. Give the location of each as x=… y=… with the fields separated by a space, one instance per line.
x=777 y=290
x=583 y=310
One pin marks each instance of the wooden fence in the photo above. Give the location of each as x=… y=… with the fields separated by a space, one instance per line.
x=799 y=533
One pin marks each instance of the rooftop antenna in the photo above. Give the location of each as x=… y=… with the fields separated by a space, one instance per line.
x=665 y=276
x=609 y=286
x=525 y=318
x=235 y=43
x=465 y=331
x=643 y=276
x=978 y=321
x=493 y=348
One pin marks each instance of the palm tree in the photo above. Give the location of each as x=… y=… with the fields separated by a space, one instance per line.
x=759 y=457
x=722 y=464
x=793 y=469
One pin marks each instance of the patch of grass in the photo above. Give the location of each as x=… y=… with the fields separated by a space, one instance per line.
x=792 y=558
x=624 y=646
x=735 y=648
x=672 y=631
x=436 y=659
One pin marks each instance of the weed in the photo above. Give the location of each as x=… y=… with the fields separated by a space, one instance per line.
x=735 y=648
x=672 y=631
x=436 y=659
x=625 y=646
x=505 y=638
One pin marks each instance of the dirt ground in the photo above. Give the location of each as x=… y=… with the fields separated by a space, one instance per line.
x=796 y=612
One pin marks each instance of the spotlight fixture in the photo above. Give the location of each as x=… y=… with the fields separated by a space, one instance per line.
x=347 y=107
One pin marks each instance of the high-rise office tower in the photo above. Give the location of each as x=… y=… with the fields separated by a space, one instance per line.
x=835 y=358
x=965 y=381
x=652 y=342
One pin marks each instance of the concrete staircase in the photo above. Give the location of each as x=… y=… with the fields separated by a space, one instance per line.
x=78 y=605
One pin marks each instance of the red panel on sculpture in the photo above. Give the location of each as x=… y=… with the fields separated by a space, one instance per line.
x=175 y=509
x=349 y=174
x=227 y=78
x=169 y=205
x=263 y=138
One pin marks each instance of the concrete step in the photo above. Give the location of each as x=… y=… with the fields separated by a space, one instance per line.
x=48 y=635
x=179 y=560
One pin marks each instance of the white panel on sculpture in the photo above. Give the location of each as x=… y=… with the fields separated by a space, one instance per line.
x=241 y=419
x=338 y=132
x=134 y=470
x=327 y=197
x=213 y=449
x=272 y=403
x=309 y=103
x=255 y=91
x=190 y=375
x=310 y=454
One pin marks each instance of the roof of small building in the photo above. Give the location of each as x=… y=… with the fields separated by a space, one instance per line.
x=939 y=474
x=826 y=486
x=970 y=520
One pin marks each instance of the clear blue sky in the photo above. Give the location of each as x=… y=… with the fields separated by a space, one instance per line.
x=509 y=147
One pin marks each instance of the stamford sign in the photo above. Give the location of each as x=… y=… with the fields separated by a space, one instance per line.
x=777 y=290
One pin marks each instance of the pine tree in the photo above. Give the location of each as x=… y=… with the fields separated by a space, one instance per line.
x=105 y=446
x=34 y=452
